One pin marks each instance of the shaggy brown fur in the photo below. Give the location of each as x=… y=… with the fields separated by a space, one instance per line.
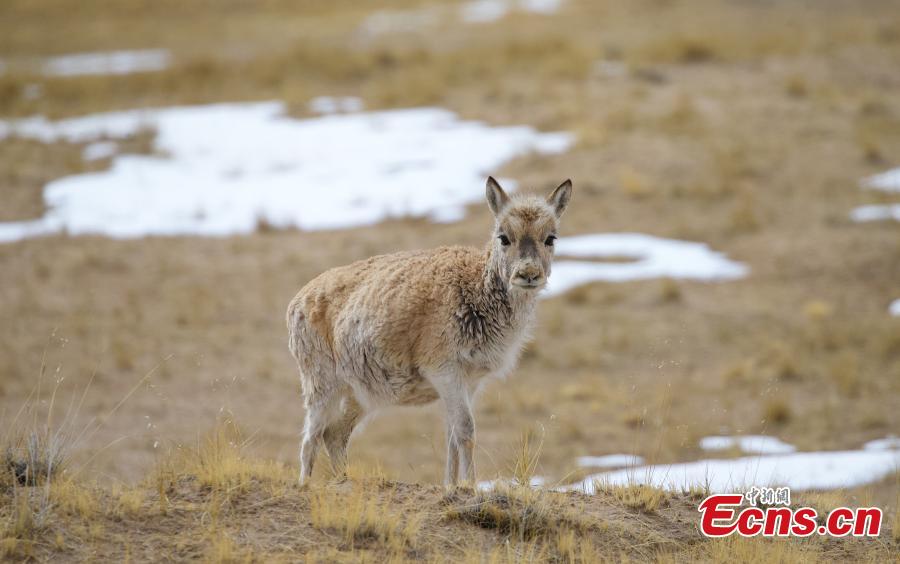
x=408 y=328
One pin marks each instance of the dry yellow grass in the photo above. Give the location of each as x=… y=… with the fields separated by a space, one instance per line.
x=359 y=517
x=237 y=516
x=756 y=551
x=129 y=501
x=519 y=512
x=644 y=498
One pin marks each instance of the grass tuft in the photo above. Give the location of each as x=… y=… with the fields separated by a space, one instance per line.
x=519 y=512
x=643 y=498
x=219 y=463
x=361 y=517
x=527 y=458
x=24 y=522
x=33 y=457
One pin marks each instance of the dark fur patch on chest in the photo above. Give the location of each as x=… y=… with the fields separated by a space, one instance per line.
x=480 y=322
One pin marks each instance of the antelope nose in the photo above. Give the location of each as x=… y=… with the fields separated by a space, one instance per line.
x=529 y=274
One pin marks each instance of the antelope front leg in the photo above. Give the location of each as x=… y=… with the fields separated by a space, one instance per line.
x=466 y=448
x=460 y=428
x=460 y=442
x=451 y=471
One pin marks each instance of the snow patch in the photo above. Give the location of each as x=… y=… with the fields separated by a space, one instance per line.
x=491 y=485
x=654 y=258
x=327 y=105
x=99 y=150
x=876 y=212
x=400 y=21
x=894 y=308
x=483 y=11
x=473 y=11
x=111 y=62
x=541 y=6
x=886 y=181
x=609 y=461
x=756 y=444
x=80 y=130
x=887 y=443
x=17 y=230
x=450 y=214
x=228 y=166
x=802 y=471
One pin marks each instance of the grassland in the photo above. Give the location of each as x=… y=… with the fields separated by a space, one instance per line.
x=212 y=502
x=692 y=124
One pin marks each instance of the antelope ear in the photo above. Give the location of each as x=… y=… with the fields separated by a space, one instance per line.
x=560 y=197
x=496 y=197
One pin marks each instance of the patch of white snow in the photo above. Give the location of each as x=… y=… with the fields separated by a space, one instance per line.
x=894 y=308
x=610 y=461
x=801 y=471
x=541 y=6
x=228 y=166
x=876 y=212
x=327 y=105
x=655 y=257
x=886 y=181
x=888 y=443
x=483 y=11
x=99 y=150
x=752 y=444
x=110 y=62
x=490 y=485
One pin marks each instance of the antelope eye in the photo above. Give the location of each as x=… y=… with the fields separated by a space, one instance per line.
x=549 y=240
x=504 y=240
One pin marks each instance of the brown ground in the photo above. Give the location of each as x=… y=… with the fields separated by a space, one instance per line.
x=214 y=504
x=743 y=124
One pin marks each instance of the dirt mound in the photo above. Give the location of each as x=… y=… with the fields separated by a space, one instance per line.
x=254 y=511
